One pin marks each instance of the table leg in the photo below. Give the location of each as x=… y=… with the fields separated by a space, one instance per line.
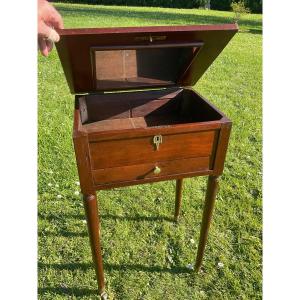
x=91 y=213
x=211 y=192
x=179 y=183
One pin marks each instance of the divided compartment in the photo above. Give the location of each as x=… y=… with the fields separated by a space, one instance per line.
x=144 y=109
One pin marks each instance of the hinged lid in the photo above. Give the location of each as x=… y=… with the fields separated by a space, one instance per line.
x=107 y=59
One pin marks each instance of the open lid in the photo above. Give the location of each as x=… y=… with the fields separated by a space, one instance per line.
x=107 y=59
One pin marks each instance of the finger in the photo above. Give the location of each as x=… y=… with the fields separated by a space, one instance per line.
x=46 y=32
x=58 y=21
x=53 y=36
x=49 y=45
x=43 y=30
x=55 y=20
x=43 y=46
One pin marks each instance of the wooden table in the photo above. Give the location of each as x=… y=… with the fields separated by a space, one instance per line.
x=137 y=120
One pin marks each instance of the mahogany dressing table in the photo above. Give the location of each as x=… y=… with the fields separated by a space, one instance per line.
x=137 y=120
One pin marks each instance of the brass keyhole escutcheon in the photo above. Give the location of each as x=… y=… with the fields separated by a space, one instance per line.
x=156 y=170
x=157 y=140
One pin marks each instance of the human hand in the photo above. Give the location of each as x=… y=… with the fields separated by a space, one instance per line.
x=48 y=19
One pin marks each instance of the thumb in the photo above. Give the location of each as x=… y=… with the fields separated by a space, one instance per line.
x=46 y=32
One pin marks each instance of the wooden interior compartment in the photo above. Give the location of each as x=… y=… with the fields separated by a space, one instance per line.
x=130 y=110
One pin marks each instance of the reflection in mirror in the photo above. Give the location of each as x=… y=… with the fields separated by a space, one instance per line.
x=117 y=69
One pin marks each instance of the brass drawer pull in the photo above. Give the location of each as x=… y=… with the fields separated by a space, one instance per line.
x=156 y=170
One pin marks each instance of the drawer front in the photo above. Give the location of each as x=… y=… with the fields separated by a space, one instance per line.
x=122 y=152
x=150 y=170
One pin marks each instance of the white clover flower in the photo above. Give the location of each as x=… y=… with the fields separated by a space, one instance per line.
x=192 y=241
x=59 y=196
x=49 y=184
x=190 y=267
x=84 y=221
x=77 y=182
x=57 y=185
x=76 y=193
x=220 y=265
x=170 y=259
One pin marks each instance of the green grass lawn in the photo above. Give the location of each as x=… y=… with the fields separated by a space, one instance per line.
x=145 y=254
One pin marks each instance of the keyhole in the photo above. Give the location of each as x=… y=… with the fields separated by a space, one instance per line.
x=157 y=139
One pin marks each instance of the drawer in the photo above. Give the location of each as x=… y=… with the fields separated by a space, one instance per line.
x=147 y=171
x=142 y=150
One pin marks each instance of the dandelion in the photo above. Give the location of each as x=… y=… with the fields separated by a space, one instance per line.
x=220 y=265
x=59 y=196
x=76 y=193
x=190 y=267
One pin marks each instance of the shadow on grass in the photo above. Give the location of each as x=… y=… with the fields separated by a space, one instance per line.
x=67 y=291
x=136 y=218
x=66 y=233
x=252 y=31
x=56 y=217
x=108 y=268
x=152 y=16
x=114 y=267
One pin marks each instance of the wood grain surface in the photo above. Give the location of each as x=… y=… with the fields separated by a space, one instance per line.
x=146 y=171
x=75 y=52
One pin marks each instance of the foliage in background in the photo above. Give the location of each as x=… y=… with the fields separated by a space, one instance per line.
x=254 y=5
x=239 y=9
x=153 y=3
x=220 y=4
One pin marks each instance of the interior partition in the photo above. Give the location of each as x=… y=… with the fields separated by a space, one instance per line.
x=129 y=110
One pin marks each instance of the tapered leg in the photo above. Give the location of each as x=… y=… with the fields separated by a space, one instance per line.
x=211 y=192
x=91 y=213
x=179 y=183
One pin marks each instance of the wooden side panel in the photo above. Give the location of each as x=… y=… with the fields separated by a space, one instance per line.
x=146 y=171
x=222 y=148
x=83 y=164
x=114 y=153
